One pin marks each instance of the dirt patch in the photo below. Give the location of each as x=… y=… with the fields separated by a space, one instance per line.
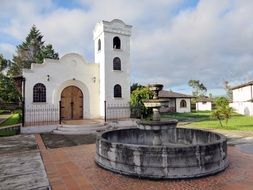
x=57 y=141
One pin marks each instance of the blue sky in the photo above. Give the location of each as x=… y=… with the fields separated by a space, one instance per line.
x=172 y=41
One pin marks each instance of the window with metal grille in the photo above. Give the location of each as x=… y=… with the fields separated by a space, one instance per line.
x=99 y=45
x=183 y=104
x=116 y=43
x=117 y=64
x=117 y=91
x=39 y=93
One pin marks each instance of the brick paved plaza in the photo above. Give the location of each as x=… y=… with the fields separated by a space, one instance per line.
x=74 y=168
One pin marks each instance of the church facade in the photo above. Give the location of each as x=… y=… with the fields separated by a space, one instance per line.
x=71 y=88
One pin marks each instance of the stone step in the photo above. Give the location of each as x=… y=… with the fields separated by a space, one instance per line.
x=83 y=125
x=73 y=132
x=84 y=128
x=80 y=129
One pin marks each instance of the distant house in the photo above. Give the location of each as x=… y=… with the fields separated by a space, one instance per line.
x=243 y=98
x=204 y=104
x=178 y=102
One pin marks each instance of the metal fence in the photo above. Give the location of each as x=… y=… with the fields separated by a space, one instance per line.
x=10 y=106
x=117 y=111
x=41 y=115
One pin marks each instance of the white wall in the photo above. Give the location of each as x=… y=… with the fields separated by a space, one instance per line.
x=242 y=94
x=201 y=106
x=71 y=69
x=183 y=110
x=106 y=31
x=244 y=108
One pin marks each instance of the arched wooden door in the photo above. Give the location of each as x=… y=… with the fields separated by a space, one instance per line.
x=71 y=103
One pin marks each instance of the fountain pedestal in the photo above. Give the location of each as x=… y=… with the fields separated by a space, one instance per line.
x=156 y=125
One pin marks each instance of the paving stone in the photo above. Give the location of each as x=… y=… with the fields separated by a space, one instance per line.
x=23 y=171
x=83 y=173
x=17 y=143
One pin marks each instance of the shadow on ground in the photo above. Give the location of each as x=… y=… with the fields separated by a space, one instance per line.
x=58 y=141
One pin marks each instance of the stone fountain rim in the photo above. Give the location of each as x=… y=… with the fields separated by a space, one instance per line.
x=156 y=100
x=163 y=122
x=222 y=139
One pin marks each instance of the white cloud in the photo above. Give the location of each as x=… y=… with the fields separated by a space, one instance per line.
x=171 y=43
x=7 y=50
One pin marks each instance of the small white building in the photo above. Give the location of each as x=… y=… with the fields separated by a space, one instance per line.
x=243 y=98
x=71 y=88
x=180 y=103
x=204 y=104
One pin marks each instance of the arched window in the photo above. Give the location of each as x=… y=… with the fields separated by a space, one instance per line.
x=39 y=93
x=117 y=91
x=116 y=43
x=99 y=45
x=183 y=104
x=116 y=64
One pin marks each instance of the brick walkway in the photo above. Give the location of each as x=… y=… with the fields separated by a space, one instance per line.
x=74 y=168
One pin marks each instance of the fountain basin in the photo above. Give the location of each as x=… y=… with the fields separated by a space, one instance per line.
x=184 y=153
x=155 y=103
x=157 y=125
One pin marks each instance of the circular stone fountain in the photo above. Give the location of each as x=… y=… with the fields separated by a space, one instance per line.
x=159 y=150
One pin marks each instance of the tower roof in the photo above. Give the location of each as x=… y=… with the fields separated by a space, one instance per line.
x=116 y=26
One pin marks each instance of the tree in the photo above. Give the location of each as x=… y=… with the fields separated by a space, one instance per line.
x=228 y=90
x=199 y=88
x=137 y=97
x=217 y=114
x=3 y=63
x=227 y=113
x=8 y=91
x=134 y=86
x=221 y=102
x=222 y=111
x=32 y=50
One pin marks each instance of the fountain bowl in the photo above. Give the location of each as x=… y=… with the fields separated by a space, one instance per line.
x=157 y=125
x=155 y=103
x=184 y=153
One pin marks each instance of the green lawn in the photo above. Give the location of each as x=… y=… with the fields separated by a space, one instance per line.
x=12 y=120
x=204 y=120
x=7 y=133
x=201 y=115
x=236 y=122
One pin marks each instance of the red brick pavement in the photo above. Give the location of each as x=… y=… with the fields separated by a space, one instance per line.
x=73 y=168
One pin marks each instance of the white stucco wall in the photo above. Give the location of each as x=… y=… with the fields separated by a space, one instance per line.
x=242 y=94
x=242 y=100
x=106 y=31
x=71 y=69
x=203 y=106
x=185 y=109
x=244 y=108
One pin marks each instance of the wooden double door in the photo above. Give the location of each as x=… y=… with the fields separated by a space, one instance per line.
x=71 y=103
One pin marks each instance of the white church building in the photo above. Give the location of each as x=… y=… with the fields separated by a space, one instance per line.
x=243 y=98
x=72 y=89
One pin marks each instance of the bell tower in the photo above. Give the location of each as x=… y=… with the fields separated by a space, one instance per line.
x=112 y=52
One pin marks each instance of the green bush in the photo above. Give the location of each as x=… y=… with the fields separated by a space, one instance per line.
x=138 y=109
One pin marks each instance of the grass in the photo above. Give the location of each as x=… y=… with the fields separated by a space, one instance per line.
x=236 y=122
x=7 y=133
x=200 y=115
x=12 y=120
x=203 y=120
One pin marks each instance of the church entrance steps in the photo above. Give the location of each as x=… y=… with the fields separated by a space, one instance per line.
x=80 y=129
